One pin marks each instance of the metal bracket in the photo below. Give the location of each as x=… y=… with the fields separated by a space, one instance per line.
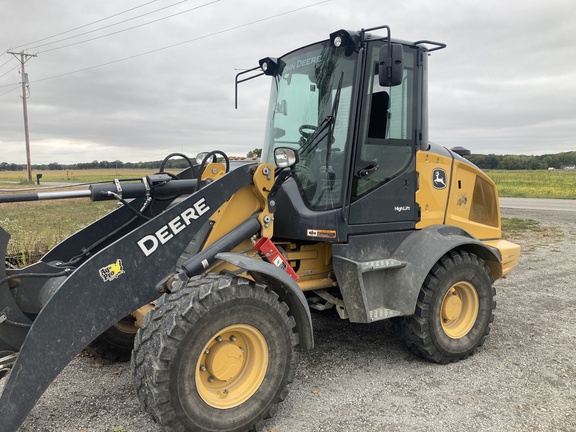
x=6 y=363
x=4 y=314
x=331 y=301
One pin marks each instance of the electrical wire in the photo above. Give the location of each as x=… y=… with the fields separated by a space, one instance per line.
x=123 y=30
x=11 y=90
x=184 y=42
x=115 y=24
x=7 y=61
x=87 y=25
x=7 y=72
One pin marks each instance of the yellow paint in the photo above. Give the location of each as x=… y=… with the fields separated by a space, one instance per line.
x=510 y=253
x=470 y=202
x=246 y=202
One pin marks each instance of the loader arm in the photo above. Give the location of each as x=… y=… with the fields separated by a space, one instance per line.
x=106 y=287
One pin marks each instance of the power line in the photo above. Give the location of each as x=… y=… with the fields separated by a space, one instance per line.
x=11 y=90
x=184 y=42
x=86 y=25
x=8 y=85
x=6 y=62
x=112 y=25
x=8 y=71
x=130 y=28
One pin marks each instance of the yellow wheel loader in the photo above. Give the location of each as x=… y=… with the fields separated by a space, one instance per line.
x=210 y=274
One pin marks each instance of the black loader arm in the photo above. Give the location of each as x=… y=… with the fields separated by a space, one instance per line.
x=108 y=286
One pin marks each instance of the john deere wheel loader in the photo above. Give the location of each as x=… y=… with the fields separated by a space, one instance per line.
x=351 y=207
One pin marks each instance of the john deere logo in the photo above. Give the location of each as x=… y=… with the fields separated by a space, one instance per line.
x=439 y=178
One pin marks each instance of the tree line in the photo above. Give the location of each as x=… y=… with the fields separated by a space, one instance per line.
x=524 y=162
x=490 y=161
x=172 y=163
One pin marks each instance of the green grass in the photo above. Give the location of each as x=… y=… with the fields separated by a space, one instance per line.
x=37 y=227
x=535 y=184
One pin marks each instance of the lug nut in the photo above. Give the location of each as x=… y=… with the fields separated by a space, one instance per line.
x=233 y=338
x=203 y=368
x=207 y=351
x=219 y=339
x=210 y=379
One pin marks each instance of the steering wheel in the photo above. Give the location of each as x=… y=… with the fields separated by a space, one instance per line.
x=307 y=180
x=306 y=130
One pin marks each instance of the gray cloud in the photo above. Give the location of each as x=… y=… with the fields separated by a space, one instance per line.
x=505 y=84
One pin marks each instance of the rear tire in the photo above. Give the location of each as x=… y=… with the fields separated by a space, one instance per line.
x=216 y=355
x=116 y=343
x=454 y=310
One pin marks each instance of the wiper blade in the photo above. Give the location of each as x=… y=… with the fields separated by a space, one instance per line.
x=327 y=121
x=334 y=115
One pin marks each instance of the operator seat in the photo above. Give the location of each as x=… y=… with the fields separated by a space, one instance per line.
x=379 y=115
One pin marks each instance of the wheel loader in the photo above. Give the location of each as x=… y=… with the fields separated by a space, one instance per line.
x=207 y=277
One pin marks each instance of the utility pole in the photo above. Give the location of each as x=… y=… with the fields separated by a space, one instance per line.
x=23 y=59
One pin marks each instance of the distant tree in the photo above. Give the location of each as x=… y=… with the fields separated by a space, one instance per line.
x=256 y=152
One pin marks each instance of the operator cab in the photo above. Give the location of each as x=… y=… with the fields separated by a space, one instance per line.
x=353 y=108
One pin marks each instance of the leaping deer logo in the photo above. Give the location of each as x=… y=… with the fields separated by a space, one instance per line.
x=439 y=178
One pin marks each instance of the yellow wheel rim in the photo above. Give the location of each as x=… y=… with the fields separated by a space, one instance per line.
x=127 y=325
x=232 y=366
x=459 y=310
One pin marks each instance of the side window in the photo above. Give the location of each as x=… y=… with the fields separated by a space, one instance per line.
x=387 y=130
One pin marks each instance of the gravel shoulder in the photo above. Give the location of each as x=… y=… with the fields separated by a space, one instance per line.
x=361 y=378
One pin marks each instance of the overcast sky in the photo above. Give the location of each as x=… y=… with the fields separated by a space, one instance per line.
x=506 y=83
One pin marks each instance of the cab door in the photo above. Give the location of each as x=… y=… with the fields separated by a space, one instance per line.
x=384 y=178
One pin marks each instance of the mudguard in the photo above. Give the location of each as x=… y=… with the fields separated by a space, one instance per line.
x=380 y=275
x=108 y=286
x=283 y=285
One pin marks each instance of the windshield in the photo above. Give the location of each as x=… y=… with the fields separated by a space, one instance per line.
x=310 y=107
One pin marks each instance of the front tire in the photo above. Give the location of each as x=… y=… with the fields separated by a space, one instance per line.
x=454 y=310
x=216 y=355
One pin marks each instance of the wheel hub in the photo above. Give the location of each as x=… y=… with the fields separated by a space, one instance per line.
x=224 y=361
x=452 y=307
x=459 y=309
x=232 y=366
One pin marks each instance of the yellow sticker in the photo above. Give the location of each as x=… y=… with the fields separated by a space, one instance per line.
x=112 y=271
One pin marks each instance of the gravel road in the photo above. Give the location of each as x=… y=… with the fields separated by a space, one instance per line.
x=360 y=378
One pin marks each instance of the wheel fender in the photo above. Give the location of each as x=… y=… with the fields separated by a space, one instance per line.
x=424 y=248
x=283 y=285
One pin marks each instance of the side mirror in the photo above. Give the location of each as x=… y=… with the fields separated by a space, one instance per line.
x=285 y=157
x=390 y=66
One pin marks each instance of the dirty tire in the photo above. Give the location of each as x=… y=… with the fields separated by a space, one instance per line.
x=216 y=355
x=117 y=342
x=454 y=310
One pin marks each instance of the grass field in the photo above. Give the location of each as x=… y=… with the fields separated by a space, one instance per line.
x=535 y=184
x=38 y=226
